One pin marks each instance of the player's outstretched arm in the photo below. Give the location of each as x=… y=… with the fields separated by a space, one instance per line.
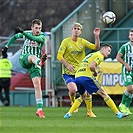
x=97 y=38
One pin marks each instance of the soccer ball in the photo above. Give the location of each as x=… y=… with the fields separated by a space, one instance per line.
x=109 y=17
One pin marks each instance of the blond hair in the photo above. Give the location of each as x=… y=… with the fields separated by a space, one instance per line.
x=77 y=25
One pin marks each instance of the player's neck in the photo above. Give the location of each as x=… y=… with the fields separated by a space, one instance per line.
x=74 y=38
x=131 y=42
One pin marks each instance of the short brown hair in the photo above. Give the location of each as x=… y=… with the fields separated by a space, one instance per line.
x=131 y=30
x=106 y=45
x=36 y=21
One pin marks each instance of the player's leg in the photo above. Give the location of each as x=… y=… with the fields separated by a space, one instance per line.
x=110 y=103
x=126 y=100
x=88 y=102
x=35 y=74
x=127 y=95
x=38 y=96
x=122 y=106
x=31 y=64
x=70 y=82
x=39 y=62
x=72 y=91
x=96 y=87
x=79 y=100
x=75 y=105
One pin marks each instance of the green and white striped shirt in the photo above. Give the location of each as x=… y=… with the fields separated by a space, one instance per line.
x=127 y=51
x=32 y=44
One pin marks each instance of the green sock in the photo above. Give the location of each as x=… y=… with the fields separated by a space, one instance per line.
x=39 y=103
x=124 y=97
x=128 y=102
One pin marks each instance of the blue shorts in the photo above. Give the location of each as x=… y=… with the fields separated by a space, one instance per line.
x=87 y=84
x=68 y=78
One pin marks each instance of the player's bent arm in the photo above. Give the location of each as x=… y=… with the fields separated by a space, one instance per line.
x=40 y=38
x=97 y=39
x=97 y=42
x=59 y=56
x=61 y=59
x=119 y=58
x=93 y=68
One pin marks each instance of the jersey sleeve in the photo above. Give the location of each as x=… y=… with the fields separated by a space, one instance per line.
x=13 y=38
x=40 y=38
x=98 y=59
x=62 y=47
x=122 y=50
x=88 y=44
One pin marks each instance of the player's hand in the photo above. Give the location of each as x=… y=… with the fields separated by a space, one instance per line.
x=95 y=73
x=70 y=68
x=44 y=57
x=4 y=51
x=18 y=30
x=128 y=68
x=96 y=31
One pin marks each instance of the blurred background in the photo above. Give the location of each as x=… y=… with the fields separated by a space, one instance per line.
x=57 y=17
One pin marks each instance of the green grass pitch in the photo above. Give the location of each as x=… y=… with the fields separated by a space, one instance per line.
x=23 y=120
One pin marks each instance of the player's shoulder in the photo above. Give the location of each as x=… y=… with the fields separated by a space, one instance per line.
x=82 y=39
x=66 y=40
x=98 y=54
x=125 y=44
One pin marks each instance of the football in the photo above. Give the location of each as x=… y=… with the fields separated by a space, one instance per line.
x=109 y=17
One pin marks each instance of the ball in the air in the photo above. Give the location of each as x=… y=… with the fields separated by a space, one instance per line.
x=109 y=17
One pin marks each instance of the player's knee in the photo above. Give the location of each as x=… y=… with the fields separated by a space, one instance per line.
x=102 y=93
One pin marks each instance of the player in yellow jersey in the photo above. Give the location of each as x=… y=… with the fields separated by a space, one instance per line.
x=71 y=52
x=85 y=80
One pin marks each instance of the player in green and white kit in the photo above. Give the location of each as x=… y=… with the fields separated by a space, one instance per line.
x=125 y=57
x=31 y=57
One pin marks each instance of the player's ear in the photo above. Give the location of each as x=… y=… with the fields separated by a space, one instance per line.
x=81 y=31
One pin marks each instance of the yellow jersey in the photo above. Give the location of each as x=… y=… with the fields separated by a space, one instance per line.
x=84 y=68
x=74 y=52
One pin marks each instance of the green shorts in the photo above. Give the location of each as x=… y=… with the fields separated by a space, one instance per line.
x=33 y=70
x=128 y=79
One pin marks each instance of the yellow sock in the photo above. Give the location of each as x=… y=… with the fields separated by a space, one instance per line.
x=75 y=105
x=72 y=98
x=88 y=102
x=111 y=104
